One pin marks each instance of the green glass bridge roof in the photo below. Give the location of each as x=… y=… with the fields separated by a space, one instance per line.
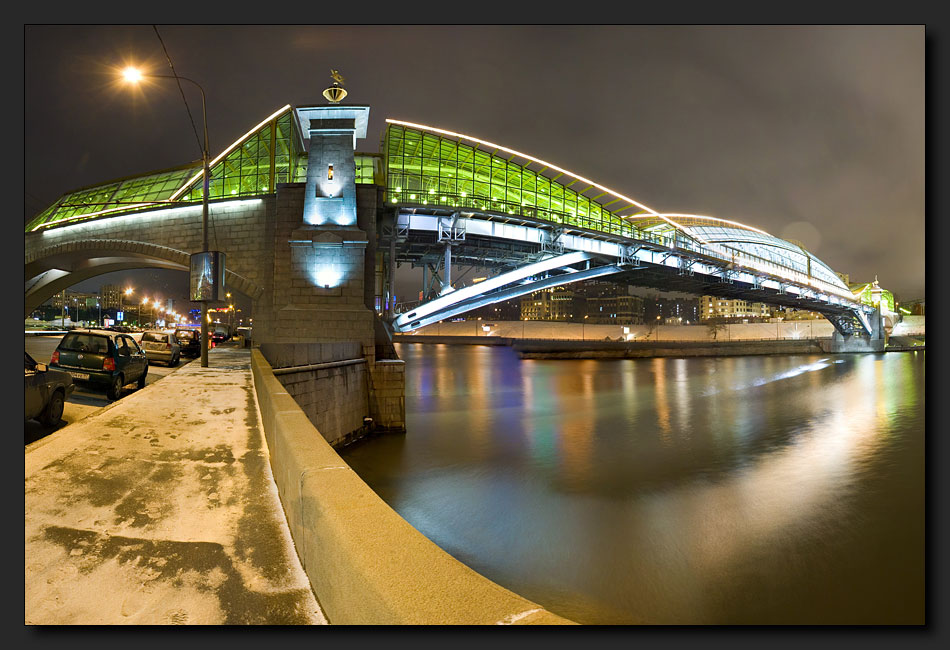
x=268 y=154
x=426 y=167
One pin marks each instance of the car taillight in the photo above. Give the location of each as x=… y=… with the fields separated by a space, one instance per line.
x=55 y=357
x=108 y=363
x=168 y=346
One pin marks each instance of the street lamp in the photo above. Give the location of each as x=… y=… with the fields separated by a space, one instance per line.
x=127 y=292
x=134 y=75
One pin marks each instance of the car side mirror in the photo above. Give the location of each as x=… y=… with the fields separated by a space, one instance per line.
x=41 y=367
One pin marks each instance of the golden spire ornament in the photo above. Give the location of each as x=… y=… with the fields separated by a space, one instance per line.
x=336 y=92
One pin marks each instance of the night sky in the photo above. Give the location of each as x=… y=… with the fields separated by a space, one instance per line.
x=807 y=132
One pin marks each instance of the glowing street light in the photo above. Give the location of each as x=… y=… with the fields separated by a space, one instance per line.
x=134 y=75
x=128 y=292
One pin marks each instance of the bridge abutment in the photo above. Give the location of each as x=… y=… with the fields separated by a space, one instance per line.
x=321 y=284
x=860 y=342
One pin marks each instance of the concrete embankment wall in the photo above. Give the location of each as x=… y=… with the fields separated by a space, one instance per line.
x=366 y=564
x=329 y=381
x=911 y=326
x=804 y=329
x=338 y=388
x=627 y=350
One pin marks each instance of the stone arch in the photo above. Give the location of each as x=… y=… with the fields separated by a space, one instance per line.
x=51 y=269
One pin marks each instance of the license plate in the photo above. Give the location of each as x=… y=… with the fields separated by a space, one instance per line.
x=80 y=375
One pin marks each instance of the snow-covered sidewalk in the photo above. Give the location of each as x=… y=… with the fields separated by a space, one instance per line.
x=161 y=509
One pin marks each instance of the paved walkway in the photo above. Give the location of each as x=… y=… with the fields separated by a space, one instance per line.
x=161 y=509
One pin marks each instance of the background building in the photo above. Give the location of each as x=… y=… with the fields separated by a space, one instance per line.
x=713 y=307
x=671 y=310
x=599 y=302
x=500 y=311
x=554 y=304
x=111 y=295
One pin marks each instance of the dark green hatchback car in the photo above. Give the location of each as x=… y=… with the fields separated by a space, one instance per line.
x=103 y=358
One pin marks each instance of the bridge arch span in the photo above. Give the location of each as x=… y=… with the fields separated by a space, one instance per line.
x=54 y=268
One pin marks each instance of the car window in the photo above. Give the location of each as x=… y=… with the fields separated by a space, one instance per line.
x=157 y=337
x=78 y=342
x=132 y=345
x=122 y=346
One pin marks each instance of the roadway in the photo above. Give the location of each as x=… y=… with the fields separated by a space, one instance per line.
x=84 y=401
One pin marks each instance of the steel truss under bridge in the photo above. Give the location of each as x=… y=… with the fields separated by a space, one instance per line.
x=544 y=255
x=553 y=271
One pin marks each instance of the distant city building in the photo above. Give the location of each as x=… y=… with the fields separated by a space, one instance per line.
x=607 y=303
x=112 y=295
x=502 y=311
x=79 y=305
x=593 y=302
x=554 y=304
x=671 y=310
x=714 y=307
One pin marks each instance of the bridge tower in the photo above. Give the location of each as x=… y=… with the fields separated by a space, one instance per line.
x=316 y=306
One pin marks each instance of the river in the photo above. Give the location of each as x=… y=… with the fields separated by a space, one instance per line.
x=733 y=490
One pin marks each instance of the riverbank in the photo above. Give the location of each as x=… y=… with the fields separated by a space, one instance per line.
x=557 y=340
x=568 y=349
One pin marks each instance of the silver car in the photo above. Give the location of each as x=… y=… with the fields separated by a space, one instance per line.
x=161 y=346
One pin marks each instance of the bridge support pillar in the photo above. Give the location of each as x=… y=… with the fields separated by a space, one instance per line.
x=858 y=342
x=447 y=272
x=324 y=256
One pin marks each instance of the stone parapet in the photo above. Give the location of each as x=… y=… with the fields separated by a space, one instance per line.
x=366 y=564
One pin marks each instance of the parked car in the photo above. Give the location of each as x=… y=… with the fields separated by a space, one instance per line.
x=161 y=346
x=45 y=391
x=220 y=335
x=189 y=341
x=102 y=359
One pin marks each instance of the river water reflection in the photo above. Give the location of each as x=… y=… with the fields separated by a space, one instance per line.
x=759 y=489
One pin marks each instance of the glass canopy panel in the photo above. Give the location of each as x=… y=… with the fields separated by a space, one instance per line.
x=469 y=176
x=117 y=196
x=255 y=163
x=770 y=248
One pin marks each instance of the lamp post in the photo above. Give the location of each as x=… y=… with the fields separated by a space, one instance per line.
x=134 y=75
x=128 y=292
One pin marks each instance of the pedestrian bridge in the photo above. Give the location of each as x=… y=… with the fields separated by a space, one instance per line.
x=439 y=199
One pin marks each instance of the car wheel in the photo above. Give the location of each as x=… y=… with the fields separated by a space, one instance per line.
x=174 y=361
x=115 y=390
x=54 y=410
x=141 y=381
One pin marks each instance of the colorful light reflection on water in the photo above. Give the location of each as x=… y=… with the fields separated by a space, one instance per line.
x=761 y=489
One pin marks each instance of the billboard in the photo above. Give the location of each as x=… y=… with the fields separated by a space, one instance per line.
x=207 y=276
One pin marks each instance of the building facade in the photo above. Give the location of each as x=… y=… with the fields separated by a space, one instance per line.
x=607 y=303
x=554 y=304
x=713 y=307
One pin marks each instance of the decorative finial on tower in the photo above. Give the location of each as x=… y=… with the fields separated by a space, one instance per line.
x=336 y=92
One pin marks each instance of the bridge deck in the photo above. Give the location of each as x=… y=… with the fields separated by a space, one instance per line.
x=161 y=509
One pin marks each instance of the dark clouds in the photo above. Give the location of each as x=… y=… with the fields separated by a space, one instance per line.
x=777 y=127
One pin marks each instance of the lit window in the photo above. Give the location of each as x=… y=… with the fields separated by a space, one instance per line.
x=329 y=172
